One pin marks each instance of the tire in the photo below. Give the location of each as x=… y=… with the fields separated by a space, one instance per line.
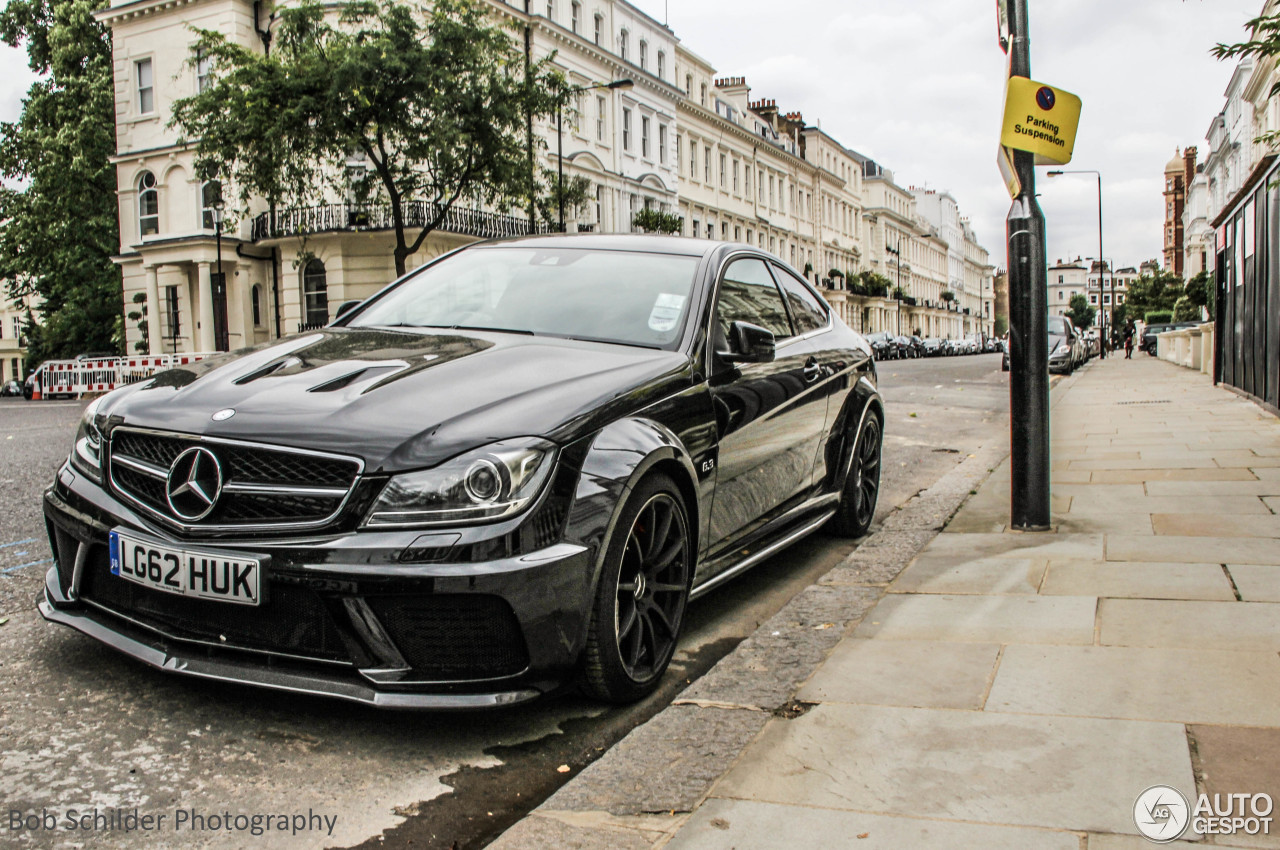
x=857 y=506
x=641 y=598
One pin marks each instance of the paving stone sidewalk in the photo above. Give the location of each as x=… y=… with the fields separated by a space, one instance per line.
x=1004 y=690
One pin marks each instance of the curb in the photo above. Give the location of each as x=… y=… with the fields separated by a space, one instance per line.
x=640 y=792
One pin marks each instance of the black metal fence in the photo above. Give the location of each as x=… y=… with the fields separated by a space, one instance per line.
x=1247 y=332
x=330 y=218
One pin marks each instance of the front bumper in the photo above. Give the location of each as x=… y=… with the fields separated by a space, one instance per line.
x=397 y=619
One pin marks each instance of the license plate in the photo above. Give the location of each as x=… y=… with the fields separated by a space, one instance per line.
x=205 y=575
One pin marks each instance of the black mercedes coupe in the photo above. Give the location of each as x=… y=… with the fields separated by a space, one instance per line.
x=506 y=473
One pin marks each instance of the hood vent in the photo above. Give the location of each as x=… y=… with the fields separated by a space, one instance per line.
x=269 y=369
x=338 y=383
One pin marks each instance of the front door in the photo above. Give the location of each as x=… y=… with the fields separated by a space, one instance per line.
x=769 y=416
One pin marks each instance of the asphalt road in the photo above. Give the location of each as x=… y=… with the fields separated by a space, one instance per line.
x=81 y=727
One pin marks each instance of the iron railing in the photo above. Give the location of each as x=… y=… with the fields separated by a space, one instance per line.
x=330 y=218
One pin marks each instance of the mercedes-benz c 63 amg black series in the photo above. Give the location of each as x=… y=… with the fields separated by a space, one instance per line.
x=505 y=473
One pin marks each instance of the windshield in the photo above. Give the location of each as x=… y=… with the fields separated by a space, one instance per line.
x=612 y=296
x=1058 y=325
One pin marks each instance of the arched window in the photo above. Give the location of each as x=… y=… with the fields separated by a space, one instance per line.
x=210 y=201
x=315 y=293
x=148 y=204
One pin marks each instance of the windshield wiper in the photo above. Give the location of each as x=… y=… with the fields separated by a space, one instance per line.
x=483 y=328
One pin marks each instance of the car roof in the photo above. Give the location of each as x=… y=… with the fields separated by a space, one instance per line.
x=647 y=242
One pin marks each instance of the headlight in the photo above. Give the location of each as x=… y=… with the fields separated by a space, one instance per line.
x=490 y=483
x=1062 y=348
x=86 y=452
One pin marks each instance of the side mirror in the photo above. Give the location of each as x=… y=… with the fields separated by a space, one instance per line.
x=347 y=307
x=749 y=343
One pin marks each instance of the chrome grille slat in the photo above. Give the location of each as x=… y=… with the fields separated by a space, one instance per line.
x=266 y=487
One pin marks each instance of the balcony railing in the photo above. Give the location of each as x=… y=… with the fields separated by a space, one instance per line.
x=331 y=218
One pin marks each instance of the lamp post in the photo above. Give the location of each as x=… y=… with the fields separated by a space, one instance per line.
x=616 y=84
x=897 y=293
x=1108 y=315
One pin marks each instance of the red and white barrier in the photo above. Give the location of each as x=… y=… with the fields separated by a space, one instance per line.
x=73 y=377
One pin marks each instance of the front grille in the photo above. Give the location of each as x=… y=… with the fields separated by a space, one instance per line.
x=262 y=486
x=291 y=620
x=454 y=637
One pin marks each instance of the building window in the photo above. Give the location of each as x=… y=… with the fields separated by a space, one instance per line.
x=172 y=312
x=688 y=84
x=575 y=12
x=706 y=164
x=315 y=293
x=704 y=94
x=693 y=160
x=17 y=330
x=255 y=302
x=735 y=177
x=626 y=129
x=1062 y=296
x=210 y=200
x=600 y=207
x=644 y=55
x=662 y=65
x=599 y=28
x=551 y=9
x=148 y=204
x=644 y=136
x=600 y=119
x=204 y=72
x=680 y=152
x=624 y=50
x=723 y=170
x=146 y=90
x=662 y=143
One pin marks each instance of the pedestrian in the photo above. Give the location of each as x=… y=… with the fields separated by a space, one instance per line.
x=1128 y=340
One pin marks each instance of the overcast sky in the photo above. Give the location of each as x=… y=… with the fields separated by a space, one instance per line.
x=918 y=85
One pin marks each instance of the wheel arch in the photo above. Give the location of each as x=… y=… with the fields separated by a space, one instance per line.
x=618 y=457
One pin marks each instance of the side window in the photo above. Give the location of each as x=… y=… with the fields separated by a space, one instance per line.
x=748 y=294
x=806 y=310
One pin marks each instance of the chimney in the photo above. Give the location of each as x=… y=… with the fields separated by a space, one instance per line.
x=767 y=110
x=1189 y=166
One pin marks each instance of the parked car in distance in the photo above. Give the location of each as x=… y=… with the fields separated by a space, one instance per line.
x=883 y=345
x=934 y=346
x=907 y=347
x=464 y=496
x=11 y=389
x=1066 y=349
x=1147 y=341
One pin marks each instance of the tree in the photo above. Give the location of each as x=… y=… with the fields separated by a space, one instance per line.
x=1153 y=292
x=656 y=221
x=1080 y=313
x=61 y=230
x=434 y=102
x=1199 y=292
x=947 y=295
x=575 y=189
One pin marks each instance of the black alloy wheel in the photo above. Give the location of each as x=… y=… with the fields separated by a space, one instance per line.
x=857 y=506
x=643 y=591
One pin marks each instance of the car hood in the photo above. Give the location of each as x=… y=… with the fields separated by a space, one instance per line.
x=1055 y=340
x=403 y=399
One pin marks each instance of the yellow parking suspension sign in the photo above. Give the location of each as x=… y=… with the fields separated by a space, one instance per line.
x=1040 y=119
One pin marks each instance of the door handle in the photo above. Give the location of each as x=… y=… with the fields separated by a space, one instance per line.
x=811 y=369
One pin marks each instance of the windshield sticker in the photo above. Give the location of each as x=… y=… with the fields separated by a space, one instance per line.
x=666 y=312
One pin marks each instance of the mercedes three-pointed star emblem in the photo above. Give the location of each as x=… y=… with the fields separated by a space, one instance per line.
x=194 y=484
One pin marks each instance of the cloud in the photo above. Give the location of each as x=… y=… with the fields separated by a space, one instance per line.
x=919 y=85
